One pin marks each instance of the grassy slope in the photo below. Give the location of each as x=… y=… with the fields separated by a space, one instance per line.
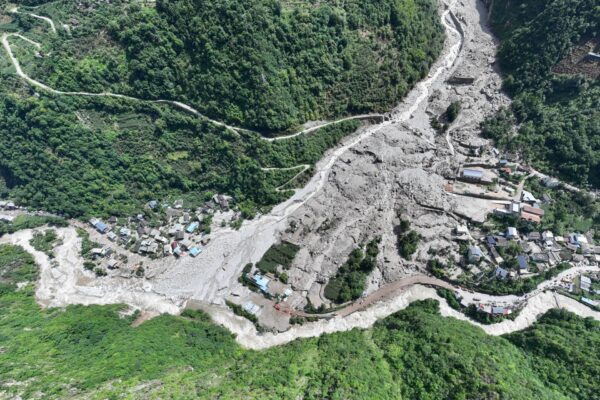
x=91 y=352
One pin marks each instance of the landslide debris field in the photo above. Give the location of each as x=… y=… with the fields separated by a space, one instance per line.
x=396 y=169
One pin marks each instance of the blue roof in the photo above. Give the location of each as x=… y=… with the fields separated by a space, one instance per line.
x=522 y=262
x=472 y=173
x=194 y=251
x=501 y=272
x=262 y=282
x=491 y=240
x=192 y=227
x=476 y=251
x=101 y=226
x=497 y=310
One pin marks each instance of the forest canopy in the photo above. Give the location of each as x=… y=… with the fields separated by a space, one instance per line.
x=264 y=64
x=558 y=115
x=94 y=352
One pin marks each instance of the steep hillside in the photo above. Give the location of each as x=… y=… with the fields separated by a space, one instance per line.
x=266 y=64
x=558 y=114
x=92 y=352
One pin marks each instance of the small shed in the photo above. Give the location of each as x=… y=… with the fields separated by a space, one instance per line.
x=522 y=261
x=474 y=254
x=512 y=233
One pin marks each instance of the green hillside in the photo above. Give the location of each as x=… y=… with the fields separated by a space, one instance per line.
x=93 y=352
x=265 y=64
x=557 y=111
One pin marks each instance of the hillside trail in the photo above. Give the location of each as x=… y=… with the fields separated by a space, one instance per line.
x=177 y=104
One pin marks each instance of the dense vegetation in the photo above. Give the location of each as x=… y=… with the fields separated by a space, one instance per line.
x=30 y=222
x=408 y=239
x=264 y=64
x=122 y=155
x=350 y=281
x=558 y=115
x=281 y=254
x=16 y=265
x=45 y=241
x=93 y=352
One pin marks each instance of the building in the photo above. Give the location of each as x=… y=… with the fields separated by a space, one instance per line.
x=261 y=281
x=591 y=56
x=192 y=227
x=528 y=197
x=101 y=227
x=251 y=308
x=472 y=175
x=155 y=233
x=511 y=233
x=589 y=302
x=194 y=251
x=578 y=239
x=534 y=236
x=522 y=261
x=499 y=310
x=585 y=283
x=501 y=273
x=495 y=255
x=533 y=210
x=474 y=254
x=513 y=207
x=530 y=217
x=112 y=236
x=7 y=218
x=547 y=235
x=148 y=246
x=186 y=244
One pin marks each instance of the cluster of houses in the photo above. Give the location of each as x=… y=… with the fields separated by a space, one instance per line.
x=493 y=309
x=180 y=234
x=544 y=250
x=529 y=208
x=584 y=288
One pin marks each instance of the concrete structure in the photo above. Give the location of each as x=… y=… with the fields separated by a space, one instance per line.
x=474 y=254
x=522 y=260
x=472 y=175
x=512 y=233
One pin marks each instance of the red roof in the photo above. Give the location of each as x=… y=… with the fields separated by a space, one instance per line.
x=530 y=217
x=532 y=210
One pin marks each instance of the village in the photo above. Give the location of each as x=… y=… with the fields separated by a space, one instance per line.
x=506 y=245
x=163 y=230
x=510 y=243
